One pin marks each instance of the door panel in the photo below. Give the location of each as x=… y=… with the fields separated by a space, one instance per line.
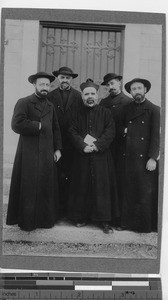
x=90 y=53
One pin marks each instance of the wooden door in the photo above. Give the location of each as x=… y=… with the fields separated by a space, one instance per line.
x=89 y=50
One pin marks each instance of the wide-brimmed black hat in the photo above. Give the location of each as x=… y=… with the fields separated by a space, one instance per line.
x=89 y=83
x=146 y=83
x=109 y=77
x=33 y=77
x=65 y=71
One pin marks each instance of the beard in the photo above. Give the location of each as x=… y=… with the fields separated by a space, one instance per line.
x=139 y=98
x=90 y=102
x=65 y=85
x=42 y=93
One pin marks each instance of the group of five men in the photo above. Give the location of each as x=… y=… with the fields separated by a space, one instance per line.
x=102 y=157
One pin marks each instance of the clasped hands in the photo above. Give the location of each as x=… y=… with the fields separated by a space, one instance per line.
x=90 y=148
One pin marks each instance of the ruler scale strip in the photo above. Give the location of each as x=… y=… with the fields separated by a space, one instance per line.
x=24 y=294
x=69 y=286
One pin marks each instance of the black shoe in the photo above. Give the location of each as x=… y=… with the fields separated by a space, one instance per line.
x=26 y=229
x=80 y=224
x=107 y=228
x=120 y=228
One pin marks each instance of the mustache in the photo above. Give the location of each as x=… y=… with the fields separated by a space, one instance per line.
x=112 y=91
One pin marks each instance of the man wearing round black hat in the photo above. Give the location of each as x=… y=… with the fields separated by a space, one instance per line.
x=93 y=184
x=116 y=98
x=115 y=101
x=141 y=129
x=66 y=100
x=33 y=198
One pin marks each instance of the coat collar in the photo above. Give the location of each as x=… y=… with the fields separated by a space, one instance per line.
x=109 y=100
x=37 y=105
x=138 y=109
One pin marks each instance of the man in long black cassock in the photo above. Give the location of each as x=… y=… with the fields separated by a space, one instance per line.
x=115 y=101
x=66 y=100
x=33 y=199
x=93 y=185
x=139 y=161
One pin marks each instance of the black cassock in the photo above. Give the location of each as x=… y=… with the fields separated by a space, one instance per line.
x=33 y=198
x=93 y=184
x=65 y=103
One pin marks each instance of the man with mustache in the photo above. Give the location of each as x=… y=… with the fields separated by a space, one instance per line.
x=33 y=199
x=115 y=101
x=93 y=179
x=66 y=100
x=139 y=163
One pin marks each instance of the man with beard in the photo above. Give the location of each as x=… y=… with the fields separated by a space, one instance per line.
x=115 y=101
x=66 y=100
x=33 y=198
x=139 y=163
x=93 y=180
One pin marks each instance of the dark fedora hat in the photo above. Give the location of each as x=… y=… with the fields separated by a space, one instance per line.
x=65 y=71
x=33 y=77
x=109 y=77
x=146 y=83
x=89 y=83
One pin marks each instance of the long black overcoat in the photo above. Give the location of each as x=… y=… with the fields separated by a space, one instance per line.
x=139 y=186
x=64 y=119
x=116 y=104
x=93 y=186
x=32 y=201
x=65 y=115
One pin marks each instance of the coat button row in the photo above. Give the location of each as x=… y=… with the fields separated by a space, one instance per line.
x=141 y=122
x=141 y=155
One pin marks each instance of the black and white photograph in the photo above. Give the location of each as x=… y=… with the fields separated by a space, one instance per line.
x=83 y=134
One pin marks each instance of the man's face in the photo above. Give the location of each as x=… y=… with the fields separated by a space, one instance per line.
x=42 y=87
x=64 y=81
x=138 y=91
x=114 y=86
x=90 y=96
